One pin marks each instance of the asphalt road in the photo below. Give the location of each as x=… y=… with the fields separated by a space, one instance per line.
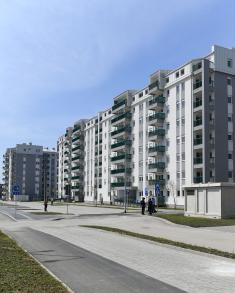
x=83 y=271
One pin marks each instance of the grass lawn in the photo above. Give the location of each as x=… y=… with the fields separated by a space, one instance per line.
x=196 y=222
x=164 y=241
x=21 y=273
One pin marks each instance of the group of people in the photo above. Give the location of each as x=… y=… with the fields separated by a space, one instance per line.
x=151 y=206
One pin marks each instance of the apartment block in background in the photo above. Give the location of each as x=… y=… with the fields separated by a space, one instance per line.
x=33 y=169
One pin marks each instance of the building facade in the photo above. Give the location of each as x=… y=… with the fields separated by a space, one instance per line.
x=176 y=131
x=33 y=169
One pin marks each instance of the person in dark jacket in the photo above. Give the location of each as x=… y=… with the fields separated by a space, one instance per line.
x=143 y=204
x=150 y=206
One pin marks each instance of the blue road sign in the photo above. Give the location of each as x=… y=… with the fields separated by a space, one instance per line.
x=16 y=190
x=146 y=191
x=157 y=188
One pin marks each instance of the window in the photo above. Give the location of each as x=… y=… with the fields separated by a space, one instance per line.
x=183 y=156
x=230 y=100
x=177 y=74
x=168 y=93
x=182 y=71
x=141 y=106
x=146 y=91
x=229 y=81
x=183 y=120
x=178 y=193
x=141 y=94
x=230 y=156
x=229 y=136
x=229 y=119
x=178 y=157
x=177 y=90
x=183 y=174
x=178 y=122
x=167 y=79
x=230 y=62
x=230 y=174
x=183 y=139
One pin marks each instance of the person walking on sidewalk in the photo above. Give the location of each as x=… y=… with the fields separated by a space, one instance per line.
x=150 y=206
x=143 y=204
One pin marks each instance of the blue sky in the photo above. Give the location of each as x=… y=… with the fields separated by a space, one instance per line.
x=62 y=60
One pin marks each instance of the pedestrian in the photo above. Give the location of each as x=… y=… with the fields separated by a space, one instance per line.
x=143 y=204
x=150 y=206
x=45 y=206
x=52 y=201
x=154 y=204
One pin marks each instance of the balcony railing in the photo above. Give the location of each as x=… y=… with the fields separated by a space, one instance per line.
x=76 y=148
x=197 y=66
x=197 y=160
x=158 y=165
x=118 y=105
x=197 y=85
x=75 y=139
x=197 y=141
x=75 y=187
x=198 y=179
x=159 y=99
x=76 y=168
x=120 y=184
x=159 y=115
x=76 y=158
x=197 y=122
x=126 y=115
x=76 y=128
x=160 y=132
x=121 y=143
x=120 y=130
x=121 y=157
x=75 y=177
x=153 y=85
x=121 y=170
x=197 y=103
x=158 y=148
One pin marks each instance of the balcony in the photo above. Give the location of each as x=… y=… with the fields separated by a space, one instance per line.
x=120 y=184
x=121 y=170
x=75 y=177
x=197 y=122
x=159 y=132
x=121 y=143
x=76 y=148
x=75 y=139
x=118 y=105
x=197 y=103
x=75 y=187
x=76 y=128
x=121 y=157
x=158 y=165
x=159 y=115
x=197 y=66
x=76 y=158
x=75 y=168
x=158 y=148
x=120 y=130
x=197 y=141
x=153 y=86
x=197 y=160
x=198 y=179
x=126 y=115
x=159 y=99
x=66 y=170
x=197 y=85
x=156 y=181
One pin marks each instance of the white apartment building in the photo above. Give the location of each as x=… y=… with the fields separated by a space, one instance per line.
x=176 y=131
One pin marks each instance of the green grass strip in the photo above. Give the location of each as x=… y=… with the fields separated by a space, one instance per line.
x=196 y=222
x=21 y=273
x=164 y=241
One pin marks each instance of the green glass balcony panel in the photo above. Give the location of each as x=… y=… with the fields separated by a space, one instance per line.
x=197 y=122
x=121 y=157
x=76 y=148
x=158 y=116
x=76 y=128
x=158 y=165
x=197 y=85
x=198 y=179
x=159 y=131
x=120 y=130
x=75 y=177
x=158 y=148
x=76 y=158
x=153 y=85
x=197 y=66
x=126 y=115
x=197 y=160
x=121 y=170
x=120 y=184
x=158 y=99
x=121 y=143
x=66 y=170
x=118 y=105
x=197 y=103
x=197 y=141
x=75 y=139
x=76 y=168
